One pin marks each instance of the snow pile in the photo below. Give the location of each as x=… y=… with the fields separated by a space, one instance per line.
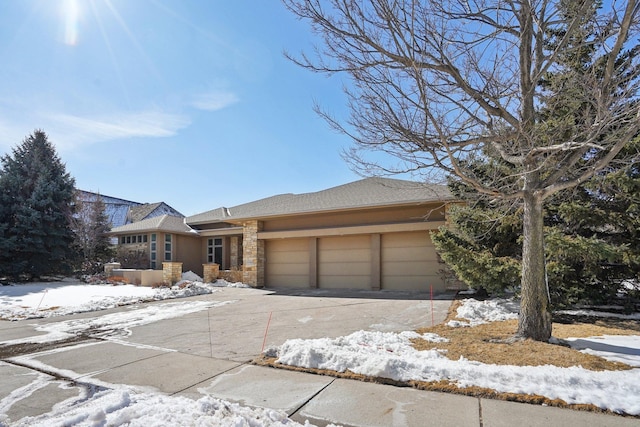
x=191 y=276
x=221 y=283
x=391 y=355
x=126 y=407
x=479 y=312
x=376 y=354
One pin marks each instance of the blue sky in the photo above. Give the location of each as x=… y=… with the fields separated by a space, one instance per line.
x=189 y=102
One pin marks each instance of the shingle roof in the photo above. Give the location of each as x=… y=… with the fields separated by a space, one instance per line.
x=150 y=210
x=369 y=192
x=138 y=213
x=167 y=223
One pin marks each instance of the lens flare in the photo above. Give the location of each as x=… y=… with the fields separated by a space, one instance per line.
x=71 y=17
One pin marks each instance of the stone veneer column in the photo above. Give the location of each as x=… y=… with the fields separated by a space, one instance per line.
x=233 y=251
x=210 y=272
x=252 y=254
x=171 y=272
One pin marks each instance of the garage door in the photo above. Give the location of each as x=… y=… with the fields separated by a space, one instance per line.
x=344 y=262
x=287 y=263
x=409 y=262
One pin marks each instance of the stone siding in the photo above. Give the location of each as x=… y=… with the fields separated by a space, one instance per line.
x=171 y=272
x=210 y=272
x=253 y=254
x=234 y=252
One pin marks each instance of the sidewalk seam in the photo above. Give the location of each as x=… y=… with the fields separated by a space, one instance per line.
x=295 y=411
x=480 y=412
x=240 y=364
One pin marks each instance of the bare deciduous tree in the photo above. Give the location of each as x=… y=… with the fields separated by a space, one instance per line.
x=90 y=226
x=435 y=83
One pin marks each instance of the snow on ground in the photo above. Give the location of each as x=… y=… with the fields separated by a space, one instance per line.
x=38 y=300
x=118 y=405
x=391 y=355
x=127 y=406
x=594 y=313
x=116 y=325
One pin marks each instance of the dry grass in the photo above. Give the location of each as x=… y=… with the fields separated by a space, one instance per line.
x=494 y=343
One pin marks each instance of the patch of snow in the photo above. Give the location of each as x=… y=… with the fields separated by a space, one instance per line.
x=616 y=348
x=478 y=312
x=631 y=285
x=221 y=283
x=603 y=314
x=43 y=300
x=191 y=276
x=117 y=324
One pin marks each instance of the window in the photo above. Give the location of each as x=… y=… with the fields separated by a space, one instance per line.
x=214 y=251
x=153 y=251
x=140 y=238
x=167 y=247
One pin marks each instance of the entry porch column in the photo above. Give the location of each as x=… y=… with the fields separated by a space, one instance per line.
x=252 y=254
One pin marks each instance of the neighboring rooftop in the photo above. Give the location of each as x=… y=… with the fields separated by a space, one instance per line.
x=369 y=192
x=121 y=211
x=116 y=209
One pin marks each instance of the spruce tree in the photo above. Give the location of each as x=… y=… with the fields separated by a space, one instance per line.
x=592 y=237
x=37 y=203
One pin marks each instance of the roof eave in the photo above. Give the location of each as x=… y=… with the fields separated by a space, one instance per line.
x=315 y=211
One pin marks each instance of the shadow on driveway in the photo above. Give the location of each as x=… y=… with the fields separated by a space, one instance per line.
x=363 y=294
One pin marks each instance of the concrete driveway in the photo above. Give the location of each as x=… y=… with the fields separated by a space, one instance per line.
x=209 y=352
x=236 y=331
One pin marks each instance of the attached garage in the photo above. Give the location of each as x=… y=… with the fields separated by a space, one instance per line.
x=287 y=263
x=409 y=262
x=344 y=262
x=401 y=261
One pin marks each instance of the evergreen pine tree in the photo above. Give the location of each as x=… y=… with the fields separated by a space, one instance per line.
x=36 y=194
x=592 y=239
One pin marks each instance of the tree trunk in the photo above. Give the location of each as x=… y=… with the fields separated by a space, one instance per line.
x=535 y=319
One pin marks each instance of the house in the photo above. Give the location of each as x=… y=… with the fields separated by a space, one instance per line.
x=370 y=234
x=163 y=238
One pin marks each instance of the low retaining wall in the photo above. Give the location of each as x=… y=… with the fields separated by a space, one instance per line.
x=231 y=276
x=139 y=277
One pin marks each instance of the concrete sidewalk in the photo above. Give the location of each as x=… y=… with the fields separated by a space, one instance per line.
x=209 y=352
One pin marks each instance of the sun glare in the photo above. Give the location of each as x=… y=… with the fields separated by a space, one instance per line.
x=71 y=13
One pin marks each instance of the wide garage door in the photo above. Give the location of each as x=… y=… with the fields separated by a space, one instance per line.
x=344 y=262
x=409 y=262
x=287 y=263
